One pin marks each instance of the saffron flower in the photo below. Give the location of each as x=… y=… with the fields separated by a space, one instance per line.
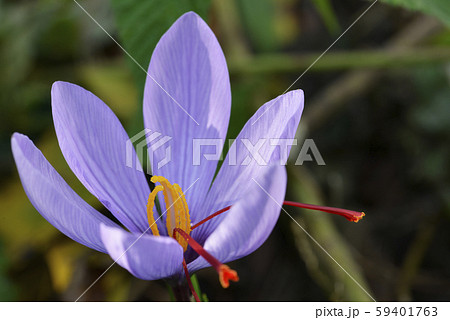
x=187 y=96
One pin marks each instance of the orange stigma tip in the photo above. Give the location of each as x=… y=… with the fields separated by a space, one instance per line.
x=226 y=274
x=357 y=218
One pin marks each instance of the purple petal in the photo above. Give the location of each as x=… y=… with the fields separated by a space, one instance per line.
x=250 y=220
x=54 y=199
x=94 y=145
x=187 y=97
x=276 y=120
x=145 y=256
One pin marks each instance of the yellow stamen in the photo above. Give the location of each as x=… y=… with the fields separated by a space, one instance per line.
x=169 y=196
x=183 y=220
x=177 y=211
x=150 y=205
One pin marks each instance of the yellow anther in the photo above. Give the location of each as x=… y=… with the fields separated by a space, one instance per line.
x=169 y=199
x=150 y=205
x=183 y=220
x=177 y=212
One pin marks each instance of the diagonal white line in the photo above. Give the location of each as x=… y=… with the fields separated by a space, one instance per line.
x=315 y=241
x=318 y=58
x=115 y=261
x=134 y=60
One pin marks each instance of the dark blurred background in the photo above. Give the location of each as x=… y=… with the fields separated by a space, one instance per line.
x=377 y=106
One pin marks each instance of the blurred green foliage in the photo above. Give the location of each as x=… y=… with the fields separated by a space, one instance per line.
x=385 y=144
x=326 y=11
x=142 y=23
x=438 y=8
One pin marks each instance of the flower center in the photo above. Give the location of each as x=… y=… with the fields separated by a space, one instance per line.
x=178 y=224
x=177 y=210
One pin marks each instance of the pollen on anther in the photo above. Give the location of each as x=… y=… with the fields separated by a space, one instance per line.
x=177 y=211
x=150 y=205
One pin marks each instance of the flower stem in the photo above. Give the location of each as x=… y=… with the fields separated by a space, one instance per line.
x=375 y=59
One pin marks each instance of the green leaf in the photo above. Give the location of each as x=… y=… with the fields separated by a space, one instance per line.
x=259 y=19
x=326 y=11
x=142 y=23
x=437 y=8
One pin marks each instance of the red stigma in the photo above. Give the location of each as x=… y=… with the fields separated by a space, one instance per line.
x=353 y=216
x=226 y=274
x=210 y=217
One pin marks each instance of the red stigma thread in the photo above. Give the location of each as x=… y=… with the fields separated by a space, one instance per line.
x=191 y=287
x=210 y=217
x=353 y=216
x=225 y=273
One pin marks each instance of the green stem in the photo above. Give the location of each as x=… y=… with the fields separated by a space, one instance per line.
x=288 y=63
